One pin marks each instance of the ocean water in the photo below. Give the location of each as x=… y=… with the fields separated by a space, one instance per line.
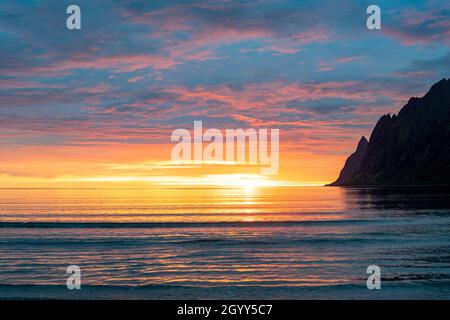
x=215 y=243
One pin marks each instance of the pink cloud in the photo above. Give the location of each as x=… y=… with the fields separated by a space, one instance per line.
x=204 y=35
x=280 y=49
x=201 y=56
x=328 y=66
x=307 y=37
x=98 y=89
x=347 y=59
x=413 y=27
x=117 y=63
x=271 y=98
x=23 y=84
x=135 y=79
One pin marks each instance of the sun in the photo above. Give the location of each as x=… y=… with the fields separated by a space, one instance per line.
x=244 y=181
x=250 y=184
x=235 y=180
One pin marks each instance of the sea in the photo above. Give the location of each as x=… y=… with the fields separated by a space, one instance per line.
x=225 y=243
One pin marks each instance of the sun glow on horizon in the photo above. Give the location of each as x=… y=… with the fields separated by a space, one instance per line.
x=145 y=166
x=246 y=181
x=233 y=180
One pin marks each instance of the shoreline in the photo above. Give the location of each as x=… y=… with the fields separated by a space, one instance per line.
x=175 y=292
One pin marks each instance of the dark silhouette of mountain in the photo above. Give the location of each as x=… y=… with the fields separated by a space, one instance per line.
x=411 y=148
x=353 y=163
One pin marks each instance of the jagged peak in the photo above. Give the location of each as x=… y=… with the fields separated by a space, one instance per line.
x=413 y=99
x=384 y=122
x=441 y=88
x=385 y=118
x=362 y=141
x=442 y=85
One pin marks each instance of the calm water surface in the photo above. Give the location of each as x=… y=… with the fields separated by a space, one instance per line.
x=287 y=242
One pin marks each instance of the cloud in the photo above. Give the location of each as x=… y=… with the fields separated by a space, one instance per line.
x=424 y=26
x=425 y=72
x=140 y=69
x=329 y=66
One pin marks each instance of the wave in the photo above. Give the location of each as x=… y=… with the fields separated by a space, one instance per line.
x=298 y=241
x=104 y=225
x=334 y=240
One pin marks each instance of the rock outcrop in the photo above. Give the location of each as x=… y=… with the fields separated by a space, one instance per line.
x=411 y=148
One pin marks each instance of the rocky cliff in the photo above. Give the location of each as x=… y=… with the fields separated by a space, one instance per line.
x=411 y=148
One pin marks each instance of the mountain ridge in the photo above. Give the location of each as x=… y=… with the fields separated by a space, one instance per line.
x=410 y=148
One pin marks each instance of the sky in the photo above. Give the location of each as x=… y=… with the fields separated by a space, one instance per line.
x=97 y=106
